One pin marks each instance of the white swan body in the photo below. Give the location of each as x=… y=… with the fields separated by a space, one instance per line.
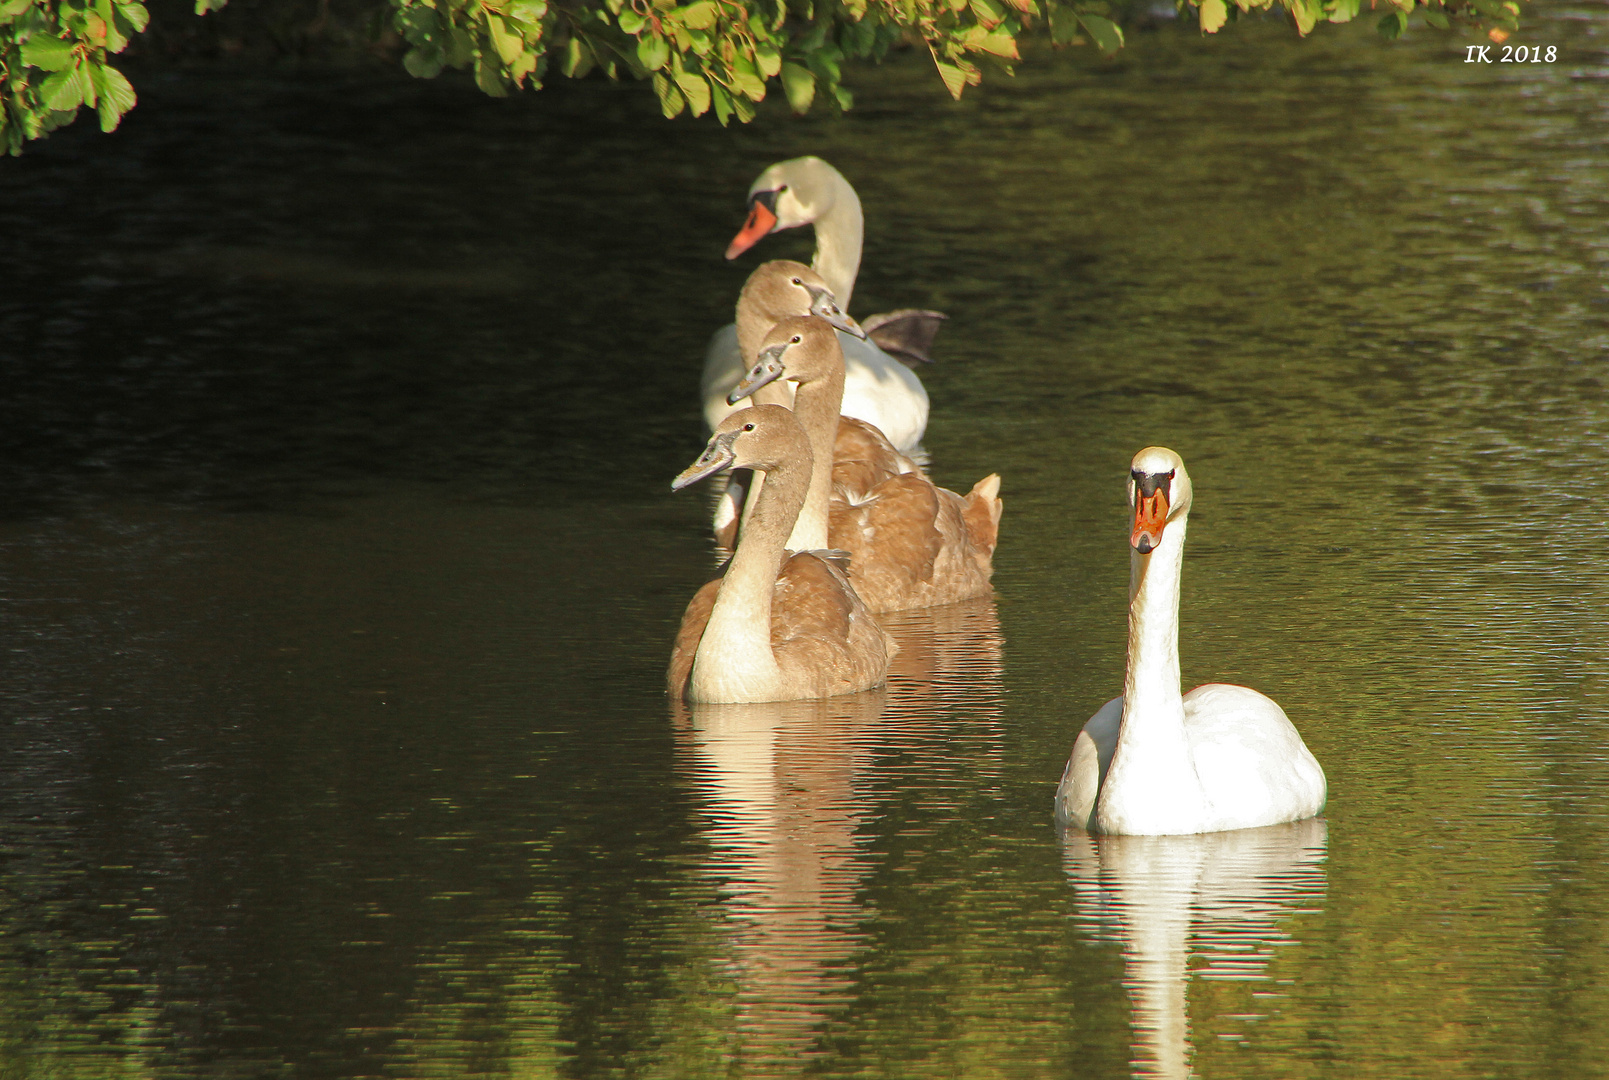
x=878 y=388
x=1155 y=761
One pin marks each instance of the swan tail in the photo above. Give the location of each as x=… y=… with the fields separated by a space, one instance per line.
x=982 y=512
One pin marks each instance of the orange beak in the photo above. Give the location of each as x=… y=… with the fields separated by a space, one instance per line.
x=761 y=221
x=1150 y=514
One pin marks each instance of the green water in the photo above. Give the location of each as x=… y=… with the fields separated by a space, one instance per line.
x=338 y=569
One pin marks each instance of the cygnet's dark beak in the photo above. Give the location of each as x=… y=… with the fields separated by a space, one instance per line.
x=822 y=303
x=717 y=455
x=768 y=369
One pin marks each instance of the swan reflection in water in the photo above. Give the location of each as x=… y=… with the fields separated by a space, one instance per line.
x=1220 y=896
x=786 y=791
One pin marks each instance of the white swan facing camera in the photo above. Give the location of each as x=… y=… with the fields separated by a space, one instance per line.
x=1157 y=762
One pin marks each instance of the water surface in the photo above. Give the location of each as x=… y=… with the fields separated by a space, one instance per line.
x=338 y=569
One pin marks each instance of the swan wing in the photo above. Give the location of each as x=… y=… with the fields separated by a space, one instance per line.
x=822 y=631
x=1086 y=769
x=1254 y=767
x=906 y=334
x=694 y=620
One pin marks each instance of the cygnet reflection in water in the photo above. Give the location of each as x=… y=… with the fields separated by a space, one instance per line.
x=786 y=789
x=1219 y=895
x=776 y=785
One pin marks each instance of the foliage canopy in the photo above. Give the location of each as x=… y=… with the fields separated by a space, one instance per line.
x=701 y=55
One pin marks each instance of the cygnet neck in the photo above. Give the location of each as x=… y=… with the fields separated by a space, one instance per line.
x=816 y=402
x=735 y=661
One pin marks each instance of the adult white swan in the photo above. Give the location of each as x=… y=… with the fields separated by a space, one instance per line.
x=879 y=388
x=1155 y=762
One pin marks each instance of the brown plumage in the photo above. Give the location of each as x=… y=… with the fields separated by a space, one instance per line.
x=911 y=543
x=774 y=627
x=775 y=291
x=861 y=459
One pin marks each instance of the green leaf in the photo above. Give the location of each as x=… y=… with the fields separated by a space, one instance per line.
x=116 y=95
x=746 y=80
x=508 y=44
x=1214 y=14
x=653 y=51
x=460 y=46
x=423 y=61
x=204 y=6
x=696 y=90
x=699 y=16
x=768 y=59
x=1106 y=34
x=631 y=21
x=999 y=42
x=955 y=79
x=671 y=101
x=62 y=91
x=9 y=9
x=1391 y=25
x=47 y=53
x=1435 y=18
x=577 y=60
x=988 y=13
x=1343 y=10
x=723 y=104
x=846 y=100
x=1306 y=14
x=800 y=86
x=1063 y=27
x=488 y=78
x=528 y=11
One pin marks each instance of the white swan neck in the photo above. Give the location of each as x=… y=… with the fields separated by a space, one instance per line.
x=840 y=231
x=1151 y=786
x=735 y=661
x=1152 y=684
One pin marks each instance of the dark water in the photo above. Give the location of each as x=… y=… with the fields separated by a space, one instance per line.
x=338 y=570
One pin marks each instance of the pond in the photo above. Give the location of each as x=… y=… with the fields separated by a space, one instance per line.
x=339 y=566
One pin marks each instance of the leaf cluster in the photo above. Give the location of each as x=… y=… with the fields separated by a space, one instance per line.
x=1500 y=16
x=53 y=61
x=720 y=56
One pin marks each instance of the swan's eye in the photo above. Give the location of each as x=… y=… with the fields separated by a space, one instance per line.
x=795 y=339
x=796 y=281
x=748 y=427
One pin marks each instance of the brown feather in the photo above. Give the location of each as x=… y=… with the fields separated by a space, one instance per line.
x=982 y=513
x=862 y=458
x=694 y=619
x=820 y=629
x=914 y=544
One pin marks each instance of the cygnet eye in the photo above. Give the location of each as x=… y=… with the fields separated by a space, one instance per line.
x=795 y=339
x=748 y=427
x=796 y=281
